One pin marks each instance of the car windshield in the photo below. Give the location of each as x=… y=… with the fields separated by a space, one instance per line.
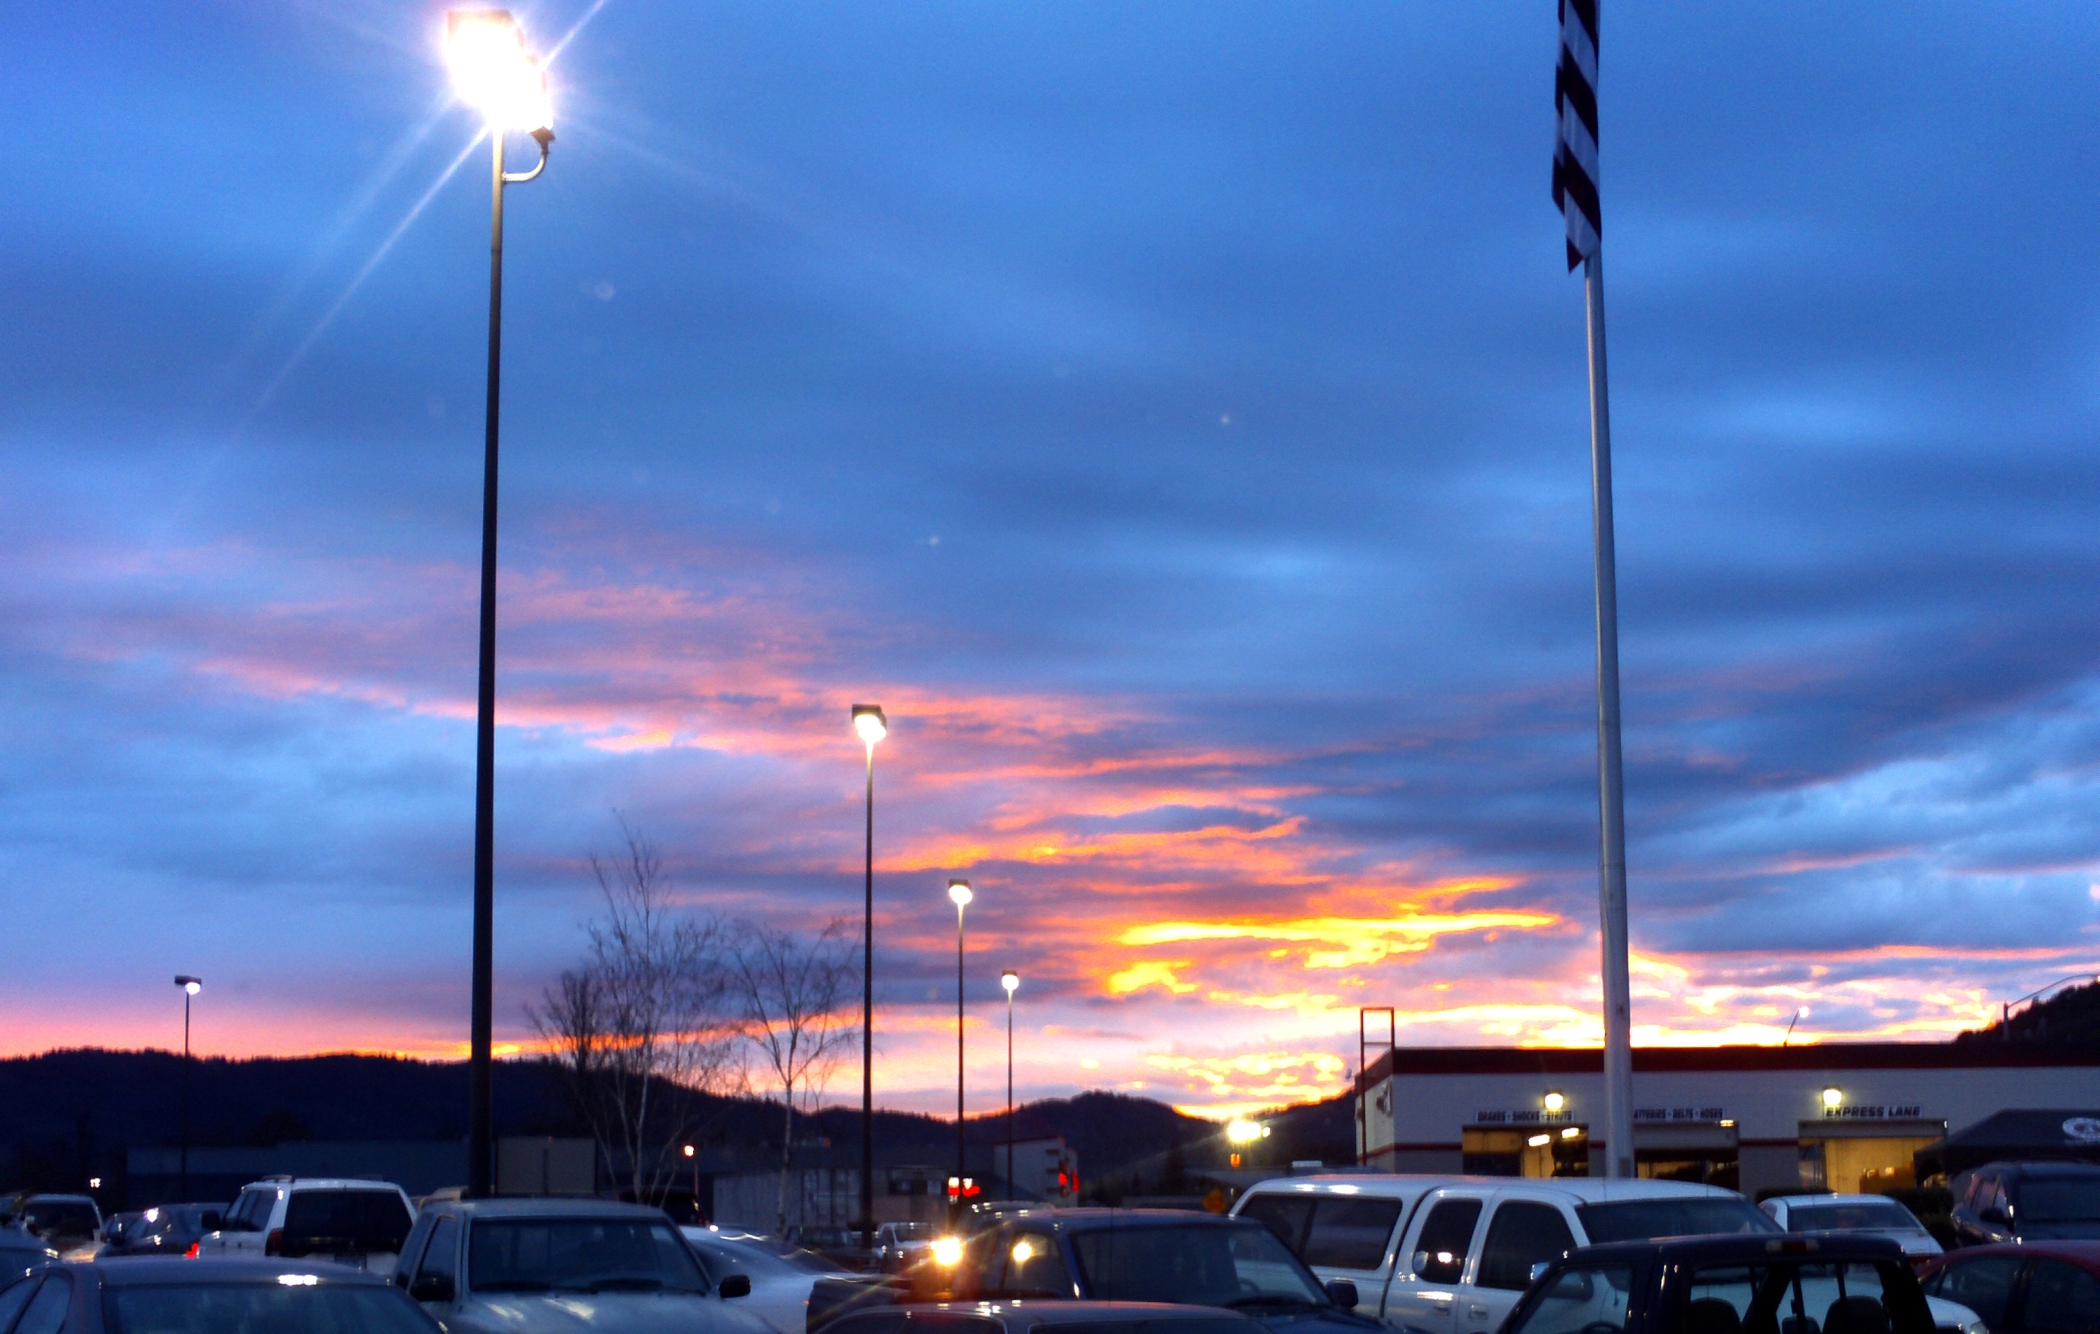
x=1194 y=1265
x=60 y=1218
x=1807 y=1295
x=254 y=1308
x=1686 y=1216
x=2059 y=1201
x=1857 y=1216
x=743 y=1258
x=579 y=1255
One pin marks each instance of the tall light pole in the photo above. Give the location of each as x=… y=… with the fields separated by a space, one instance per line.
x=494 y=74
x=869 y=722
x=959 y=894
x=1010 y=980
x=190 y=987
x=698 y=1221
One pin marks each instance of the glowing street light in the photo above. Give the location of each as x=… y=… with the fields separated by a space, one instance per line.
x=1555 y=1100
x=1833 y=1098
x=871 y=726
x=190 y=987
x=1011 y=981
x=493 y=73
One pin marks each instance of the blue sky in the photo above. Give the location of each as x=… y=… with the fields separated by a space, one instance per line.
x=1173 y=413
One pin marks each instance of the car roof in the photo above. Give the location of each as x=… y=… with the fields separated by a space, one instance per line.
x=161 y=1270
x=2085 y=1253
x=1135 y=1217
x=321 y=1183
x=546 y=1206
x=1054 y=1311
x=1586 y=1190
x=2044 y=1169
x=1746 y=1246
x=1830 y=1198
x=59 y=1199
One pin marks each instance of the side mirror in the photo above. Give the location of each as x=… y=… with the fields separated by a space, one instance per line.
x=736 y=1285
x=432 y=1288
x=1442 y=1267
x=1342 y=1293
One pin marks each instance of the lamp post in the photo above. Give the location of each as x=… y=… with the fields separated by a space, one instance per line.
x=494 y=74
x=190 y=987
x=872 y=727
x=1010 y=980
x=698 y=1221
x=959 y=894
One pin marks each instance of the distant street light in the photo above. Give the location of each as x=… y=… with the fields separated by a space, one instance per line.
x=959 y=894
x=1833 y=1098
x=872 y=727
x=493 y=73
x=190 y=987
x=1010 y=980
x=697 y=1219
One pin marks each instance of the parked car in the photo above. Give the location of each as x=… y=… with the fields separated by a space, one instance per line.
x=2027 y=1202
x=780 y=1282
x=21 y=1251
x=2033 y=1285
x=560 y=1266
x=1875 y=1214
x=1832 y=1283
x=1124 y=1255
x=168 y=1229
x=69 y=1224
x=159 y=1296
x=1065 y=1317
x=899 y=1246
x=357 y=1223
x=1450 y=1255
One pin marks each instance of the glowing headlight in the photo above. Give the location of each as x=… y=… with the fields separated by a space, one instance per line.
x=947 y=1250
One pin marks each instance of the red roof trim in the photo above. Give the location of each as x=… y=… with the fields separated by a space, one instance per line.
x=1706 y=1060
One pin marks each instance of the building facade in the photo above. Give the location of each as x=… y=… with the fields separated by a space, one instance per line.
x=1835 y=1116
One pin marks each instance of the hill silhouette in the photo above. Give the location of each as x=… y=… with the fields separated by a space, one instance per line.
x=74 y=1114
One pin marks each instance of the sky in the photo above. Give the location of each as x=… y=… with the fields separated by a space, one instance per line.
x=1174 y=415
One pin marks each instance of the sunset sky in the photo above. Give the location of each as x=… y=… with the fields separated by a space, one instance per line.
x=1173 y=414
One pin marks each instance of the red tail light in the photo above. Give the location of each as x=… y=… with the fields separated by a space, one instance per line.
x=271 y=1242
x=191 y=1253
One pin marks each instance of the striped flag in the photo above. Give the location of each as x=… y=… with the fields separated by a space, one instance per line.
x=1575 y=147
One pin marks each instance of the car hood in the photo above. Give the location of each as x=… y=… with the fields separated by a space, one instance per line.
x=1330 y=1320
x=623 y=1312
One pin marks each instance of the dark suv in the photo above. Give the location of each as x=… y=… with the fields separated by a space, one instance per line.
x=1835 y=1283
x=2027 y=1202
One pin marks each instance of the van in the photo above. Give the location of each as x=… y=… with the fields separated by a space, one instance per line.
x=1451 y=1254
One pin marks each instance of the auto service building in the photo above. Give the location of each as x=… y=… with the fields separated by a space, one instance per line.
x=1831 y=1116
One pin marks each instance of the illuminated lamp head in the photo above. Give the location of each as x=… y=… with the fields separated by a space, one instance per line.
x=494 y=73
x=870 y=723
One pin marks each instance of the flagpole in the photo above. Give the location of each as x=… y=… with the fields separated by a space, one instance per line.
x=1611 y=887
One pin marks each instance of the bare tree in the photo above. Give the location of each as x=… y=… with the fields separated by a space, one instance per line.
x=641 y=1026
x=789 y=995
